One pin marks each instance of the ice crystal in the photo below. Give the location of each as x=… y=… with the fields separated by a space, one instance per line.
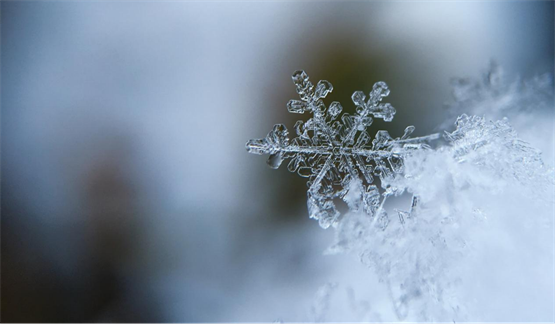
x=526 y=102
x=477 y=186
x=466 y=195
x=421 y=257
x=494 y=145
x=335 y=151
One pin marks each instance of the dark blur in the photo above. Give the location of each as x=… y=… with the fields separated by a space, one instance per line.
x=127 y=193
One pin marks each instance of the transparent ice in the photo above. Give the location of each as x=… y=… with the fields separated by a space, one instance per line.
x=486 y=190
x=463 y=189
x=337 y=154
x=478 y=233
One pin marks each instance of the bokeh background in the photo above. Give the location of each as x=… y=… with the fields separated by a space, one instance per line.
x=127 y=193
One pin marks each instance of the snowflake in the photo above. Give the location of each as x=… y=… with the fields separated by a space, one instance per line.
x=336 y=153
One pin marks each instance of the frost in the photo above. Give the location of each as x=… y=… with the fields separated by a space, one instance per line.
x=526 y=103
x=459 y=192
x=496 y=147
x=336 y=152
x=486 y=189
x=454 y=189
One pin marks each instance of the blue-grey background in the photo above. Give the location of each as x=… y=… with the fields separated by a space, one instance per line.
x=127 y=194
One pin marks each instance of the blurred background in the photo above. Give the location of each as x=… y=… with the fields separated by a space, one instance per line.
x=127 y=193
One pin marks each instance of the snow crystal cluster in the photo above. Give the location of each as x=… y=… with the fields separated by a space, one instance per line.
x=484 y=193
